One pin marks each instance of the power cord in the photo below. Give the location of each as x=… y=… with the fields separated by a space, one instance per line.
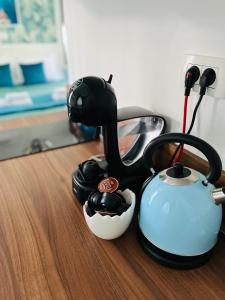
x=194 y=114
x=208 y=78
x=191 y=76
x=184 y=125
x=180 y=146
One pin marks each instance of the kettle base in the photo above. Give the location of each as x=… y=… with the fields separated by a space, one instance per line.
x=172 y=260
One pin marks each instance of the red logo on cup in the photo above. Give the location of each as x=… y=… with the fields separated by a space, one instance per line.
x=108 y=185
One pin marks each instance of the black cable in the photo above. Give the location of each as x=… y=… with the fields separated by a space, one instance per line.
x=208 y=78
x=194 y=114
x=190 y=127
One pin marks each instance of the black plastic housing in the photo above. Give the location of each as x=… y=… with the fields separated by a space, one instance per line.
x=92 y=101
x=191 y=76
x=208 y=78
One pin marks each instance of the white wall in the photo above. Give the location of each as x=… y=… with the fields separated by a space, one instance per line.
x=143 y=44
x=31 y=52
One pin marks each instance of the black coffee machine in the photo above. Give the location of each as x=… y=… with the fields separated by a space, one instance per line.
x=92 y=102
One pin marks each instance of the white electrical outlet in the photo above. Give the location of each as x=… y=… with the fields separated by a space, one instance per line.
x=217 y=90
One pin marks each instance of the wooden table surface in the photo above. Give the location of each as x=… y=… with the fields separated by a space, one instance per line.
x=38 y=118
x=47 y=251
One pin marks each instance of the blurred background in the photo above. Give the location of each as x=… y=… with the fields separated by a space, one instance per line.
x=33 y=78
x=45 y=45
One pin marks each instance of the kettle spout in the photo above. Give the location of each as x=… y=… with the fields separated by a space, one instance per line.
x=219 y=195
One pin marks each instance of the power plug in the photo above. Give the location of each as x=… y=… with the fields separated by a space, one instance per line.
x=217 y=89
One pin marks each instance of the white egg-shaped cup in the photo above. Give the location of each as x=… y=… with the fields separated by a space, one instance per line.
x=107 y=227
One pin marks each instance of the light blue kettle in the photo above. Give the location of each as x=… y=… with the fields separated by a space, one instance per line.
x=180 y=211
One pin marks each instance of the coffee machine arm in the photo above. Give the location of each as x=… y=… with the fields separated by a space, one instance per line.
x=132 y=112
x=110 y=134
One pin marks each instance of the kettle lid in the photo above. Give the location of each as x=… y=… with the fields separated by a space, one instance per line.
x=179 y=175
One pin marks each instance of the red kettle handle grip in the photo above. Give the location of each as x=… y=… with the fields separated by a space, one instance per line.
x=215 y=164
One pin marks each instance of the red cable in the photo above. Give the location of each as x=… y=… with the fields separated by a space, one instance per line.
x=184 y=127
x=185 y=114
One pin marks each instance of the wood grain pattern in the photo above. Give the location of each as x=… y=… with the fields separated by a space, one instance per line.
x=38 y=118
x=188 y=158
x=47 y=251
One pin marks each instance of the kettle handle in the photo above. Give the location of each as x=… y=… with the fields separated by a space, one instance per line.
x=215 y=164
